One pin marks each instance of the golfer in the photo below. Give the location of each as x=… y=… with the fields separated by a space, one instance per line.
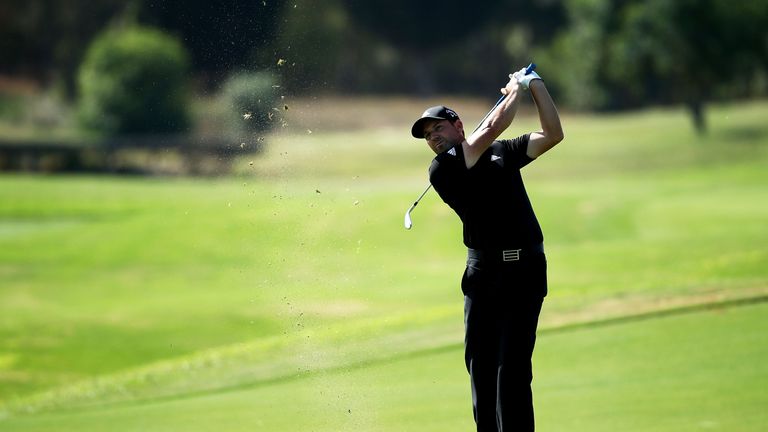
x=505 y=282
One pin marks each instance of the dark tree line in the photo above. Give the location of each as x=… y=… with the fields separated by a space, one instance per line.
x=595 y=54
x=47 y=39
x=222 y=35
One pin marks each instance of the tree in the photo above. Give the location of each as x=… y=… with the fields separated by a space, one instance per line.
x=134 y=80
x=456 y=45
x=46 y=40
x=634 y=53
x=685 y=51
x=314 y=42
x=221 y=35
x=421 y=30
x=577 y=55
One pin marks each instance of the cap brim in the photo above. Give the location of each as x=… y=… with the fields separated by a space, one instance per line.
x=417 y=130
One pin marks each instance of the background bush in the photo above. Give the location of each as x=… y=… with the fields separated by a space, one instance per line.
x=250 y=104
x=134 y=80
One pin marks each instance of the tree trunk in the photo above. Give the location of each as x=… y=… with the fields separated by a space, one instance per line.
x=696 y=108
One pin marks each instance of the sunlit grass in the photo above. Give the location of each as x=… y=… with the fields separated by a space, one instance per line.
x=686 y=372
x=114 y=289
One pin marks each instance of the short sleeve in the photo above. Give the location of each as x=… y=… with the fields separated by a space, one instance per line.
x=517 y=149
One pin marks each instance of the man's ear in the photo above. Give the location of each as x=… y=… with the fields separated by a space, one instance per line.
x=459 y=125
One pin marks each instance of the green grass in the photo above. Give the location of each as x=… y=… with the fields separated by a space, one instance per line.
x=688 y=372
x=121 y=290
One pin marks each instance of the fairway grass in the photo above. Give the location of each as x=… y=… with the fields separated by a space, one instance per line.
x=687 y=372
x=123 y=290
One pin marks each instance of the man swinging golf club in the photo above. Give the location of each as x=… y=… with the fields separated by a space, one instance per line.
x=504 y=283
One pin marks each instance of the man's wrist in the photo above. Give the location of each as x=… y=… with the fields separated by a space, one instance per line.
x=535 y=82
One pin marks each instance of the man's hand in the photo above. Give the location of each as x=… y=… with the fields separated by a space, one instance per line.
x=511 y=86
x=524 y=79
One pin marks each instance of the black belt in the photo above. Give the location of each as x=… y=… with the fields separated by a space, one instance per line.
x=504 y=255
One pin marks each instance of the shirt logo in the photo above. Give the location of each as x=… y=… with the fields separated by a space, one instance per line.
x=452 y=151
x=494 y=158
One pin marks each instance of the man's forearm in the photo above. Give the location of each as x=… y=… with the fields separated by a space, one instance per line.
x=503 y=115
x=548 y=115
x=496 y=123
x=551 y=130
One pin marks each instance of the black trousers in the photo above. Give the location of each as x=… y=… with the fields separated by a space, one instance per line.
x=502 y=302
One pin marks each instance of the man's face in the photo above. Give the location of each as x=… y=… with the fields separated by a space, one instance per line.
x=442 y=135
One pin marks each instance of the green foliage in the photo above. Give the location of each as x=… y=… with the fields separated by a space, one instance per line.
x=577 y=84
x=12 y=107
x=221 y=35
x=134 y=80
x=46 y=41
x=687 y=49
x=619 y=55
x=594 y=54
x=317 y=34
x=249 y=102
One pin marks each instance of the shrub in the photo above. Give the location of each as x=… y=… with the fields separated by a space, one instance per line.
x=249 y=101
x=134 y=80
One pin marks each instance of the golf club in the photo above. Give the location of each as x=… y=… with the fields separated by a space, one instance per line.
x=408 y=223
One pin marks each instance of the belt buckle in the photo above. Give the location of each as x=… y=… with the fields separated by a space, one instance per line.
x=510 y=255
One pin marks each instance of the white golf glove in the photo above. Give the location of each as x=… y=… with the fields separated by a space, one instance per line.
x=523 y=79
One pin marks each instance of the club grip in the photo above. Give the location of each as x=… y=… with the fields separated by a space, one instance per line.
x=531 y=67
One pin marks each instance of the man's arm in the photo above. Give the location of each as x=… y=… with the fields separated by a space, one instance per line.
x=493 y=126
x=551 y=131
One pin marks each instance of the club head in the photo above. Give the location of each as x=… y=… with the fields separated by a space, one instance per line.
x=408 y=223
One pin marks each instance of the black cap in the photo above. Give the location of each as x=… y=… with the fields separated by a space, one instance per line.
x=434 y=113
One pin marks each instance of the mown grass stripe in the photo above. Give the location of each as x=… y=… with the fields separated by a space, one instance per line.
x=659 y=313
x=21 y=408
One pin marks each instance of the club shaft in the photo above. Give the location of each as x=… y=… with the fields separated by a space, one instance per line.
x=422 y=195
x=498 y=102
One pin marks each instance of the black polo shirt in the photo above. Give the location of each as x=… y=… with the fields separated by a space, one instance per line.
x=490 y=197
